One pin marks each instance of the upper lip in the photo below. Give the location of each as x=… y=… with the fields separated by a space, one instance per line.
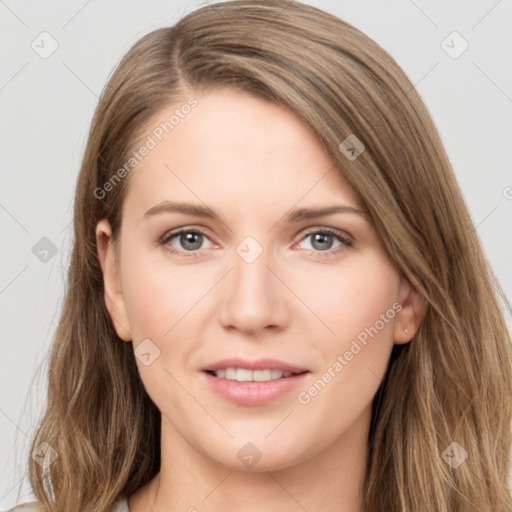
x=258 y=364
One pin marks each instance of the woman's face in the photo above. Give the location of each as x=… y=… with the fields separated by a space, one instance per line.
x=257 y=276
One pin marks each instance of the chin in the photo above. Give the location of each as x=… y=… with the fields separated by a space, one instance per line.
x=259 y=455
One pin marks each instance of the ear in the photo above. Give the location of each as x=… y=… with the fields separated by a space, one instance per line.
x=412 y=313
x=114 y=299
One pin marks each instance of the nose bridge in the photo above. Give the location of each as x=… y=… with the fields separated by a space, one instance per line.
x=251 y=273
x=253 y=297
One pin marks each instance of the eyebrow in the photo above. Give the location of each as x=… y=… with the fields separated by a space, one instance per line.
x=294 y=216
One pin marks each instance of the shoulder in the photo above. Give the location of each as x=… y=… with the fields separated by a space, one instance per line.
x=33 y=506
x=121 y=505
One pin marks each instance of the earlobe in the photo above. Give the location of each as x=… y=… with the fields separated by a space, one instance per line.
x=409 y=318
x=113 y=295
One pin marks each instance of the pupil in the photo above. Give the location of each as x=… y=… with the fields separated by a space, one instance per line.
x=188 y=238
x=319 y=237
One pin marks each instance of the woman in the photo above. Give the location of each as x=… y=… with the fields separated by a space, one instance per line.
x=330 y=340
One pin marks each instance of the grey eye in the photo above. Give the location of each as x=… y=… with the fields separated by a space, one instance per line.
x=190 y=240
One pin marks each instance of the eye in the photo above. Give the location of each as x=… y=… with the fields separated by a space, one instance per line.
x=322 y=240
x=191 y=240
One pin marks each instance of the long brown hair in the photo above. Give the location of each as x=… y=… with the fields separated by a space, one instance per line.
x=451 y=384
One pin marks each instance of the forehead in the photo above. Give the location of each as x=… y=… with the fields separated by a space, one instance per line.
x=234 y=148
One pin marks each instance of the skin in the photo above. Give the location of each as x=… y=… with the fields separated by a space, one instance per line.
x=251 y=163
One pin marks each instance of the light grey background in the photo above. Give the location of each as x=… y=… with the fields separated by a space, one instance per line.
x=47 y=105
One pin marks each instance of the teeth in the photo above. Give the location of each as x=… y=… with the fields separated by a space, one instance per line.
x=244 y=375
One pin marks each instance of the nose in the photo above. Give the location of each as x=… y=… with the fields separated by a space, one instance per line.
x=254 y=298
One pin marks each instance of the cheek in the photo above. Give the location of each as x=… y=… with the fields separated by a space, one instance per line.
x=158 y=294
x=349 y=298
x=355 y=305
x=160 y=302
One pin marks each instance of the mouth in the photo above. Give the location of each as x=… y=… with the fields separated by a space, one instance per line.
x=246 y=375
x=252 y=383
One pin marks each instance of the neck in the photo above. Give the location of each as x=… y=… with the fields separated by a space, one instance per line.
x=189 y=481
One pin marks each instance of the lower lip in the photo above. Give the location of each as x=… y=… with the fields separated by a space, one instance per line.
x=253 y=393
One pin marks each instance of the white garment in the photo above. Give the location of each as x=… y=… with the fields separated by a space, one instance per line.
x=121 y=505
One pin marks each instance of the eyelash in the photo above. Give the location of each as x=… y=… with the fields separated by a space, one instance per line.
x=347 y=242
